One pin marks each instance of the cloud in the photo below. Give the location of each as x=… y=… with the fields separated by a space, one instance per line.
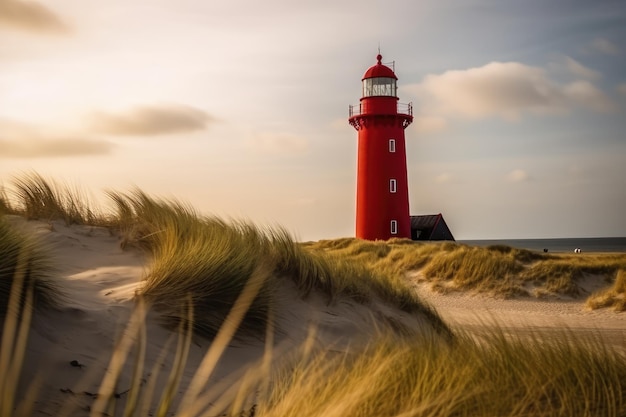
x=278 y=143
x=150 y=121
x=49 y=148
x=507 y=90
x=21 y=140
x=578 y=69
x=518 y=175
x=583 y=92
x=622 y=88
x=605 y=46
x=30 y=16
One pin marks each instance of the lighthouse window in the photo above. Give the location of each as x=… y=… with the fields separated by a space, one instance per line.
x=394 y=227
x=392 y=185
x=379 y=86
x=392 y=145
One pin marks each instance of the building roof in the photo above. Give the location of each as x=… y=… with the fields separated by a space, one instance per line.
x=430 y=227
x=379 y=70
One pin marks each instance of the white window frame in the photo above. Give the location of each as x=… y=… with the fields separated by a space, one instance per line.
x=394 y=227
x=393 y=185
x=392 y=145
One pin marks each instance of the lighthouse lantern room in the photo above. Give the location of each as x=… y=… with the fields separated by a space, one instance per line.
x=382 y=194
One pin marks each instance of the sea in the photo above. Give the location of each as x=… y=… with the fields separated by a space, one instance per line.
x=585 y=244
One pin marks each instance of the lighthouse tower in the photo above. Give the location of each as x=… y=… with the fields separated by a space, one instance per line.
x=382 y=194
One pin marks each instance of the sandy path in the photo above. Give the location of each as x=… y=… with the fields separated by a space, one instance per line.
x=476 y=312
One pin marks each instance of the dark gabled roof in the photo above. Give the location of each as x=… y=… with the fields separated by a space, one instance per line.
x=426 y=221
x=430 y=227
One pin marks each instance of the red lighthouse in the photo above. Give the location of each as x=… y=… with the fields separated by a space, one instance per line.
x=382 y=193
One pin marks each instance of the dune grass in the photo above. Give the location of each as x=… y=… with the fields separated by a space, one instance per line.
x=497 y=270
x=497 y=376
x=211 y=260
x=613 y=297
x=21 y=255
x=40 y=199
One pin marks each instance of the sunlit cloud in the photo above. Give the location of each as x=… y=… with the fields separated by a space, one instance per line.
x=53 y=148
x=507 y=90
x=578 y=69
x=150 y=121
x=605 y=46
x=30 y=16
x=518 y=175
x=278 y=143
x=23 y=140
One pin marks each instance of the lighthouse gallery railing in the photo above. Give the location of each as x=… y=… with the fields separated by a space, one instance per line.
x=402 y=108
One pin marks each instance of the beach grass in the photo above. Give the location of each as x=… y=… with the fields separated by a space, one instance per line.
x=497 y=270
x=212 y=259
x=543 y=375
x=613 y=297
x=37 y=198
x=23 y=256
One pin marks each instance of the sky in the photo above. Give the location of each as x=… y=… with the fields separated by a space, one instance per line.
x=239 y=108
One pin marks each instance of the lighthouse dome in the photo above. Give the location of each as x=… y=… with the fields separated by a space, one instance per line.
x=379 y=70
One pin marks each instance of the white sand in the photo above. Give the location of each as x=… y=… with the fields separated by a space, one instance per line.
x=100 y=278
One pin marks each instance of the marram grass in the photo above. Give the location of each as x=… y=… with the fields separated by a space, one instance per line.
x=498 y=270
x=21 y=255
x=41 y=199
x=544 y=374
x=210 y=260
x=496 y=376
x=614 y=296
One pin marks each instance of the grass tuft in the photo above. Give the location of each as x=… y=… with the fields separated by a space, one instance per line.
x=614 y=296
x=22 y=254
x=40 y=199
x=545 y=375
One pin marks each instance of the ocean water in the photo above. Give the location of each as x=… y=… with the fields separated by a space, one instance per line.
x=587 y=244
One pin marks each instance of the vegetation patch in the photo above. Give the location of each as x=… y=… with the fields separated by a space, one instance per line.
x=613 y=297
x=497 y=270
x=544 y=375
x=23 y=258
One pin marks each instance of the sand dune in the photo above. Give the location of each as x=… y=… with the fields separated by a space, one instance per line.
x=69 y=350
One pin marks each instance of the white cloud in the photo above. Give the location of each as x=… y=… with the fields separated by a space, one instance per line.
x=507 y=90
x=278 y=143
x=605 y=46
x=585 y=93
x=518 y=175
x=578 y=69
x=54 y=147
x=150 y=120
x=30 y=16
x=22 y=140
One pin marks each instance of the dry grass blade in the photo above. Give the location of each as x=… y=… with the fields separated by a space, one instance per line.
x=189 y=406
x=103 y=402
